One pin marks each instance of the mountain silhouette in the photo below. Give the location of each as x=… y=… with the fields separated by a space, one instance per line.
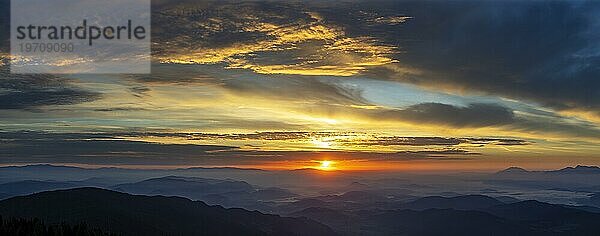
x=152 y=215
x=513 y=170
x=578 y=170
x=227 y=192
x=189 y=187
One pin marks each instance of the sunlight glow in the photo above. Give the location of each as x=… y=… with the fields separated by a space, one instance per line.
x=326 y=165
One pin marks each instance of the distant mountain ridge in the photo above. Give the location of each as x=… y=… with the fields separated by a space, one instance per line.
x=53 y=166
x=191 y=187
x=579 y=169
x=112 y=175
x=31 y=186
x=513 y=169
x=576 y=179
x=227 y=192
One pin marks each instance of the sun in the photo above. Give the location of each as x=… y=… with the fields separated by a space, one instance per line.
x=326 y=165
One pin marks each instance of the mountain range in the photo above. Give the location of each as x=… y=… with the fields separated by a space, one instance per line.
x=462 y=215
x=152 y=215
x=514 y=201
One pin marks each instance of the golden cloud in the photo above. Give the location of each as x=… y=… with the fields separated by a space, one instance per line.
x=306 y=46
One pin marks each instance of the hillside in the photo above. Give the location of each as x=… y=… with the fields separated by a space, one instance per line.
x=156 y=215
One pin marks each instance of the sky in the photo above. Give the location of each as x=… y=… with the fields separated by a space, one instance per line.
x=367 y=85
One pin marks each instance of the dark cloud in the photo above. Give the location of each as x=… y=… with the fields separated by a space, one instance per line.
x=540 y=125
x=434 y=141
x=473 y=115
x=544 y=52
x=120 y=109
x=443 y=154
x=495 y=141
x=216 y=24
x=33 y=91
x=174 y=74
x=307 y=89
x=4 y=25
x=486 y=115
x=40 y=147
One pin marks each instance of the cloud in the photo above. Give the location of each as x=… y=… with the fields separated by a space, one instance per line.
x=565 y=127
x=265 y=37
x=308 y=90
x=4 y=26
x=473 y=115
x=350 y=138
x=434 y=141
x=120 y=109
x=276 y=52
x=106 y=149
x=500 y=49
x=479 y=115
x=175 y=74
x=246 y=84
x=40 y=147
x=467 y=119
x=443 y=154
x=542 y=52
x=37 y=90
